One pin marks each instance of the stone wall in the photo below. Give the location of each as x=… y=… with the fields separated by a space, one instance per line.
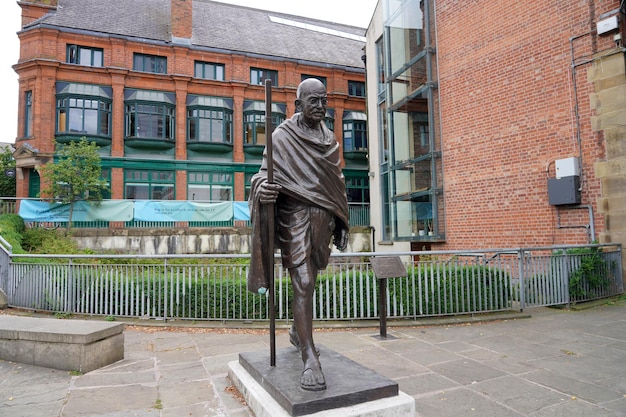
x=609 y=101
x=187 y=241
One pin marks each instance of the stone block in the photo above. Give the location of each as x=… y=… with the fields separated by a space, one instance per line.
x=607 y=67
x=609 y=98
x=71 y=345
x=263 y=404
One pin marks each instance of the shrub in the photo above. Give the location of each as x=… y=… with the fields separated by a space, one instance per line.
x=48 y=241
x=11 y=228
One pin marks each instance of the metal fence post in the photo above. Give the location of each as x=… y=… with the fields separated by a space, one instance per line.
x=522 y=285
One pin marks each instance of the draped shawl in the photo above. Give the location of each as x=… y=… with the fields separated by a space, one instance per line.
x=308 y=170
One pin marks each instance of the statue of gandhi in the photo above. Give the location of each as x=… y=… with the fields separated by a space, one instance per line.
x=311 y=209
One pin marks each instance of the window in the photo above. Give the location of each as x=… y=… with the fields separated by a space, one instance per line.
x=83 y=110
x=209 y=119
x=28 y=113
x=248 y=185
x=150 y=63
x=354 y=132
x=254 y=127
x=254 y=120
x=209 y=71
x=211 y=125
x=210 y=186
x=258 y=76
x=149 y=185
x=105 y=174
x=357 y=189
x=84 y=115
x=305 y=76
x=83 y=55
x=150 y=121
x=356 y=88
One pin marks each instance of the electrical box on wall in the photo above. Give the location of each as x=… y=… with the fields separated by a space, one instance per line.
x=567 y=167
x=565 y=190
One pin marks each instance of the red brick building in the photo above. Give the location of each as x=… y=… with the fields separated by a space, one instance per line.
x=172 y=91
x=501 y=124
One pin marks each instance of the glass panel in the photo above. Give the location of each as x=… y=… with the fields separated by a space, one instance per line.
x=85 y=56
x=91 y=122
x=71 y=54
x=97 y=58
x=105 y=123
x=137 y=191
x=76 y=120
x=162 y=192
x=405 y=33
x=221 y=193
x=199 y=192
x=219 y=72
x=138 y=62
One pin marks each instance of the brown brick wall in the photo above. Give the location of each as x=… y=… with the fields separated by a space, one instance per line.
x=42 y=64
x=507 y=111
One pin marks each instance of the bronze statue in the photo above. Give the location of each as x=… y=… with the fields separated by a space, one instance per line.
x=311 y=208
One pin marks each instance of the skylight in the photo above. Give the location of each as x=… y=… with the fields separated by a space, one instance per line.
x=317 y=28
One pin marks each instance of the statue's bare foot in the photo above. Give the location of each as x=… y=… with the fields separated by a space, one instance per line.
x=313 y=378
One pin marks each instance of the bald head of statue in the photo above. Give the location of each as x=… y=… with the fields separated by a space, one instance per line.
x=311 y=101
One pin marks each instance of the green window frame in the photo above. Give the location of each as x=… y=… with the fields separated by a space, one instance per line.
x=28 y=113
x=254 y=127
x=248 y=184
x=357 y=189
x=210 y=186
x=209 y=70
x=84 y=55
x=149 y=63
x=105 y=174
x=150 y=121
x=356 y=88
x=354 y=135
x=209 y=125
x=149 y=185
x=258 y=76
x=83 y=116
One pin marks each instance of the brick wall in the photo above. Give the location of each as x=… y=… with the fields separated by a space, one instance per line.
x=42 y=64
x=507 y=107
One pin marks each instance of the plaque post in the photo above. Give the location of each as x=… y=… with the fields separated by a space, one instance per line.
x=385 y=267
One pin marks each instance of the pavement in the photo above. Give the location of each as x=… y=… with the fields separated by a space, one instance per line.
x=545 y=362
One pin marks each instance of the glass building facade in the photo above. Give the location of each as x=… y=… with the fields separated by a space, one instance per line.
x=410 y=148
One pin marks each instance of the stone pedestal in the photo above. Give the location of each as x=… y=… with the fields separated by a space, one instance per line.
x=352 y=390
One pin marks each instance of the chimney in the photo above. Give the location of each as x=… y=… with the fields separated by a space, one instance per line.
x=181 y=21
x=34 y=9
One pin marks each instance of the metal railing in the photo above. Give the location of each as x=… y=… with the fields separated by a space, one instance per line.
x=213 y=287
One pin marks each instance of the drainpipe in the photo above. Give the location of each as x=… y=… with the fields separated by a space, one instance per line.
x=591 y=232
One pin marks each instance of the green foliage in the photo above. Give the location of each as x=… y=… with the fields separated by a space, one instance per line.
x=11 y=228
x=48 y=241
x=591 y=275
x=75 y=175
x=7 y=184
x=221 y=292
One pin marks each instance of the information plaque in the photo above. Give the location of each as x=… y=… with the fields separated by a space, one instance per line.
x=388 y=267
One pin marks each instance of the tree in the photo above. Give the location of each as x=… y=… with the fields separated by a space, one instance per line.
x=75 y=174
x=7 y=167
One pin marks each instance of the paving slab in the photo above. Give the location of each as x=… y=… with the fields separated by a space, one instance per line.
x=544 y=363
